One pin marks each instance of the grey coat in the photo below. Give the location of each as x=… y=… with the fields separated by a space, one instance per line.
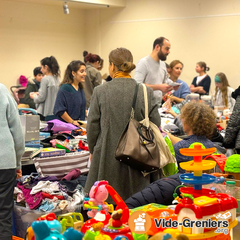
x=108 y=117
x=92 y=79
x=232 y=135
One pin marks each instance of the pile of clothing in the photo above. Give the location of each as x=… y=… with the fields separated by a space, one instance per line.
x=48 y=194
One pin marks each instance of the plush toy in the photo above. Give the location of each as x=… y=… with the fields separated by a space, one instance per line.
x=98 y=194
x=167 y=236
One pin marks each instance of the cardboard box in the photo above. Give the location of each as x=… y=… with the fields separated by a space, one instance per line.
x=51 y=152
x=30 y=127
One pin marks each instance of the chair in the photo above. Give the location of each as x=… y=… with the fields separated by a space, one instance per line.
x=18 y=93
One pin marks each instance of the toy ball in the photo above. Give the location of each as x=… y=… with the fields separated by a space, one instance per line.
x=195 y=143
x=233 y=164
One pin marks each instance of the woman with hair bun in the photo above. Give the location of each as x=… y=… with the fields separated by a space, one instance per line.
x=93 y=77
x=46 y=97
x=109 y=115
x=201 y=84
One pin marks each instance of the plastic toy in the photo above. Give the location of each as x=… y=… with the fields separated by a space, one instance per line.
x=72 y=234
x=220 y=159
x=51 y=230
x=63 y=145
x=199 y=204
x=101 y=227
x=103 y=216
x=74 y=220
x=98 y=194
x=167 y=236
x=115 y=229
x=46 y=230
x=48 y=217
x=155 y=211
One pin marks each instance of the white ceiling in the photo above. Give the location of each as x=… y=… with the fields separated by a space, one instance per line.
x=72 y=4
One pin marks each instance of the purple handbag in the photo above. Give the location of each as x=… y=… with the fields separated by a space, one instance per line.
x=56 y=125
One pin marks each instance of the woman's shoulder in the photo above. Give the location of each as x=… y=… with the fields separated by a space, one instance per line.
x=66 y=87
x=3 y=87
x=50 y=78
x=91 y=69
x=194 y=79
x=230 y=90
x=182 y=82
x=207 y=77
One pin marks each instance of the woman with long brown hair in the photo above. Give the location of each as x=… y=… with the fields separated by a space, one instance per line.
x=71 y=102
x=223 y=92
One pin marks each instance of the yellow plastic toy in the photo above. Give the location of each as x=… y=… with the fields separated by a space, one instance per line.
x=74 y=220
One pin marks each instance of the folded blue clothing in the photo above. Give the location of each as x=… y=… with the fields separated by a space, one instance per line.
x=46 y=206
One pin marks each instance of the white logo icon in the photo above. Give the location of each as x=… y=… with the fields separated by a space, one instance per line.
x=140 y=222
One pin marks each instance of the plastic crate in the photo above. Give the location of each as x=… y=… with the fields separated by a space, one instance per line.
x=24 y=217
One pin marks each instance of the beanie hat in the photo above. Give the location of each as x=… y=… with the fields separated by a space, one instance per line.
x=23 y=80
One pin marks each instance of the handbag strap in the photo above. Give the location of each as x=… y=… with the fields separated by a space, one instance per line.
x=134 y=101
x=146 y=105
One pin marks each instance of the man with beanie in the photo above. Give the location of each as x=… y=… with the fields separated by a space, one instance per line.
x=33 y=86
x=151 y=70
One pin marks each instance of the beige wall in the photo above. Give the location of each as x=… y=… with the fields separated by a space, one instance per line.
x=30 y=32
x=200 y=30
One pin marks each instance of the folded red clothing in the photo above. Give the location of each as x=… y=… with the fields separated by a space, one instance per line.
x=47 y=195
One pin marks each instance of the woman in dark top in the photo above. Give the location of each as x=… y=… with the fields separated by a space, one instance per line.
x=201 y=84
x=70 y=104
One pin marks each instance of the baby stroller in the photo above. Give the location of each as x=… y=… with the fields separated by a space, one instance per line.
x=18 y=93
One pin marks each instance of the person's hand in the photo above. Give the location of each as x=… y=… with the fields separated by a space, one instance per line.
x=172 y=98
x=90 y=157
x=200 y=89
x=32 y=95
x=167 y=104
x=165 y=87
x=19 y=173
x=166 y=96
x=76 y=123
x=170 y=111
